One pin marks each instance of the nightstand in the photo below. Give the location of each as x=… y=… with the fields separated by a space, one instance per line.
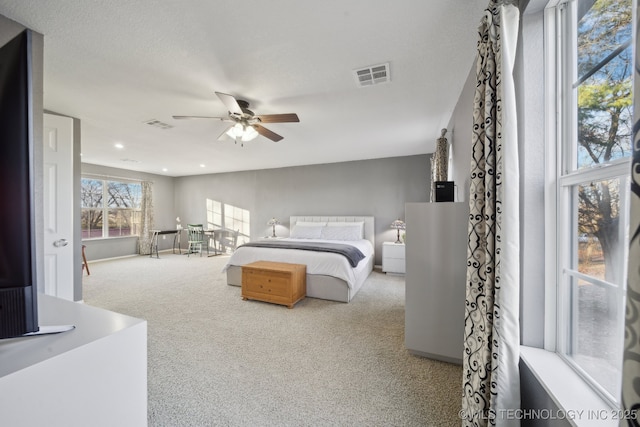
x=393 y=257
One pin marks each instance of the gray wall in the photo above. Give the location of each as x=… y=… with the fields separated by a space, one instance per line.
x=163 y=200
x=377 y=187
x=534 y=398
x=8 y=30
x=460 y=127
x=529 y=75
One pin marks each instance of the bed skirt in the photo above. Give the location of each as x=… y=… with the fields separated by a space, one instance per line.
x=318 y=286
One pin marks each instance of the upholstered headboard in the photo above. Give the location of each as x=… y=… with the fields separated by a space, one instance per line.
x=369 y=224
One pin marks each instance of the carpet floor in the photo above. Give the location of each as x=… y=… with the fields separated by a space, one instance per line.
x=216 y=360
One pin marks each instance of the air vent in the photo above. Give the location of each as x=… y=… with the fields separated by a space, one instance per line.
x=158 y=124
x=373 y=75
x=131 y=161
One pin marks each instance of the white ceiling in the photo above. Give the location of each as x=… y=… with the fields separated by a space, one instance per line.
x=116 y=64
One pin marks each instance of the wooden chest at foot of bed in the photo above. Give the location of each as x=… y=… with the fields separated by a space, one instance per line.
x=276 y=282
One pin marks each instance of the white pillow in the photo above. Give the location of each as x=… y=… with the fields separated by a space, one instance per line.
x=308 y=223
x=307 y=231
x=358 y=226
x=342 y=232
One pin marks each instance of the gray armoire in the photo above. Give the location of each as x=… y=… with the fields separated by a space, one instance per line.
x=436 y=258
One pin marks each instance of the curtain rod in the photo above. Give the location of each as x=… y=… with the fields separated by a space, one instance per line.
x=503 y=3
x=119 y=178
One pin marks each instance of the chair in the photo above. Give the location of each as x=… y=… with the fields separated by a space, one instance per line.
x=196 y=239
x=84 y=261
x=227 y=239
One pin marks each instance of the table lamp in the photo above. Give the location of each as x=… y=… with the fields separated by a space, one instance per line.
x=398 y=225
x=273 y=222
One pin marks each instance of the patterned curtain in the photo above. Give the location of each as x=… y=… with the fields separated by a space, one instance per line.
x=631 y=354
x=146 y=221
x=491 y=383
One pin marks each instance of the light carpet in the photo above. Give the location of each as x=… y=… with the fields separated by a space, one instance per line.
x=216 y=360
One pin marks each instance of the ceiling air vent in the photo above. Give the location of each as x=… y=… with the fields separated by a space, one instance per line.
x=373 y=75
x=158 y=124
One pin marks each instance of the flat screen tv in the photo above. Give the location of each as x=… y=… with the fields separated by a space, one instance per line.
x=18 y=288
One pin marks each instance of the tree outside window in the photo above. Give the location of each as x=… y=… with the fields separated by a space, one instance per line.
x=593 y=185
x=117 y=202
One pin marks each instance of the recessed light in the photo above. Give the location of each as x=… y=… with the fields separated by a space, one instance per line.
x=164 y=169
x=118 y=145
x=201 y=166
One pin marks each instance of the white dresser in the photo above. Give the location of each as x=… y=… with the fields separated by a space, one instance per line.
x=435 y=279
x=393 y=257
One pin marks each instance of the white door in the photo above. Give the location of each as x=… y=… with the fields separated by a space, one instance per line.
x=58 y=206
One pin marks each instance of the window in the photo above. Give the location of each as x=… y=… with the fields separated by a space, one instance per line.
x=595 y=65
x=118 y=202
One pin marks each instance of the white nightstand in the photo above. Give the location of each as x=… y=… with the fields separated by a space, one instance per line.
x=393 y=255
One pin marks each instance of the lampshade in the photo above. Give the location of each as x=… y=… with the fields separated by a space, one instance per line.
x=245 y=132
x=249 y=133
x=398 y=224
x=273 y=221
x=235 y=131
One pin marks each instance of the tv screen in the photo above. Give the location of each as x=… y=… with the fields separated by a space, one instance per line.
x=18 y=289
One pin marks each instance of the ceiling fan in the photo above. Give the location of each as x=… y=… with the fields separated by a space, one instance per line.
x=246 y=124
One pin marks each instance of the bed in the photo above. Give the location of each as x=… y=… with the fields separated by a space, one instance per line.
x=329 y=275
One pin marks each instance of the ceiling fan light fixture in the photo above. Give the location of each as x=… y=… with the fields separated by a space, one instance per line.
x=236 y=131
x=249 y=133
x=247 y=125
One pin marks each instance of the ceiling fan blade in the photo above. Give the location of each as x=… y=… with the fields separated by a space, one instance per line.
x=201 y=117
x=230 y=102
x=267 y=133
x=278 y=118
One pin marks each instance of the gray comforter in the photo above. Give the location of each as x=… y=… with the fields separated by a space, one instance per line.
x=353 y=254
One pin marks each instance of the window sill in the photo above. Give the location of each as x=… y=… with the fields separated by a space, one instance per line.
x=577 y=402
x=98 y=239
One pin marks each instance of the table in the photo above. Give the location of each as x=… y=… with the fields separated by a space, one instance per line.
x=154 y=240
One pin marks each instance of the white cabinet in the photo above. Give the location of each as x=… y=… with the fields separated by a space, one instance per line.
x=435 y=279
x=393 y=257
x=95 y=374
